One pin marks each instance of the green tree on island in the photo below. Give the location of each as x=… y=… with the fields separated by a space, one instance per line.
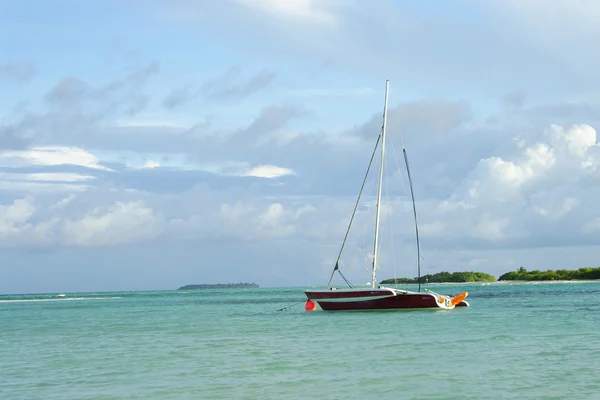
x=522 y=274
x=444 y=276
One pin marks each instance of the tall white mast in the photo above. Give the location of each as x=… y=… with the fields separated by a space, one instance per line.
x=378 y=205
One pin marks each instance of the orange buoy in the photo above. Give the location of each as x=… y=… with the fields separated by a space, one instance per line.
x=457 y=299
x=310 y=306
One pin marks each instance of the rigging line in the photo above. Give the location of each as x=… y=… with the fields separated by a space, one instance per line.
x=416 y=224
x=401 y=135
x=336 y=268
x=291 y=305
x=398 y=165
x=390 y=219
x=401 y=182
x=346 y=280
x=364 y=227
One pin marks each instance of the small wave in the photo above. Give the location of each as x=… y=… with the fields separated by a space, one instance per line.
x=61 y=299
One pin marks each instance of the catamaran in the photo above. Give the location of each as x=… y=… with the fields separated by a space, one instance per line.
x=377 y=297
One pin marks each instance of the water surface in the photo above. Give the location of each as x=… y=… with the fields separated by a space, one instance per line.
x=516 y=341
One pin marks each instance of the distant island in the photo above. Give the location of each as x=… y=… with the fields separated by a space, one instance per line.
x=220 y=286
x=444 y=277
x=522 y=274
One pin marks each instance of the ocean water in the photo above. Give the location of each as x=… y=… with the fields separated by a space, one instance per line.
x=516 y=341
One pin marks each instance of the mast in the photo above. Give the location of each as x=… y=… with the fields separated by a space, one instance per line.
x=378 y=205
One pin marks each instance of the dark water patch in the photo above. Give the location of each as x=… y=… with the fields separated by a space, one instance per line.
x=264 y=300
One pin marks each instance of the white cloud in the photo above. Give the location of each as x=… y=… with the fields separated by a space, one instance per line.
x=300 y=10
x=577 y=140
x=274 y=221
x=244 y=169
x=51 y=155
x=113 y=216
x=13 y=186
x=93 y=218
x=533 y=193
x=29 y=223
x=46 y=176
x=534 y=162
x=14 y=217
x=148 y=160
x=123 y=222
x=559 y=155
x=490 y=228
x=42 y=182
x=547 y=207
x=432 y=229
x=591 y=227
x=151 y=164
x=268 y=171
x=63 y=202
x=236 y=212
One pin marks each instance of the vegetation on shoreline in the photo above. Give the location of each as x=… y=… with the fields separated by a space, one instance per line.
x=522 y=274
x=442 y=277
x=220 y=286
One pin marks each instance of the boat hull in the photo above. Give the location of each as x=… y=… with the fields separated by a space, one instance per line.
x=378 y=299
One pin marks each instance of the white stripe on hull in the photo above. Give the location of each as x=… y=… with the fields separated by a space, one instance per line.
x=350 y=299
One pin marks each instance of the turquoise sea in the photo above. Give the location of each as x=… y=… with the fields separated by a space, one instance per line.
x=516 y=341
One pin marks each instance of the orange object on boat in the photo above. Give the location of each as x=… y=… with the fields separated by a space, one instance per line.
x=310 y=306
x=457 y=299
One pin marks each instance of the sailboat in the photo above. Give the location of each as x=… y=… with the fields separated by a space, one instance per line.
x=377 y=297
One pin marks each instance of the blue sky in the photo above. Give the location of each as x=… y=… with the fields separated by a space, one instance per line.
x=149 y=145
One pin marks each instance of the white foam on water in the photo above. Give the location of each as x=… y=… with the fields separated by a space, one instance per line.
x=61 y=299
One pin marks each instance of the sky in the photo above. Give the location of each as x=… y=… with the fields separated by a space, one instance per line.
x=150 y=145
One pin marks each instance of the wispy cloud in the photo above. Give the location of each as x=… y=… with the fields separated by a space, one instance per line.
x=21 y=72
x=73 y=107
x=225 y=88
x=333 y=92
x=515 y=99
x=179 y=96
x=124 y=94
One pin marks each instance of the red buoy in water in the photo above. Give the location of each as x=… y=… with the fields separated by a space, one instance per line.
x=310 y=306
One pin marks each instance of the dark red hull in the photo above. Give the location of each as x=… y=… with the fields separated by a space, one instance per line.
x=375 y=299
